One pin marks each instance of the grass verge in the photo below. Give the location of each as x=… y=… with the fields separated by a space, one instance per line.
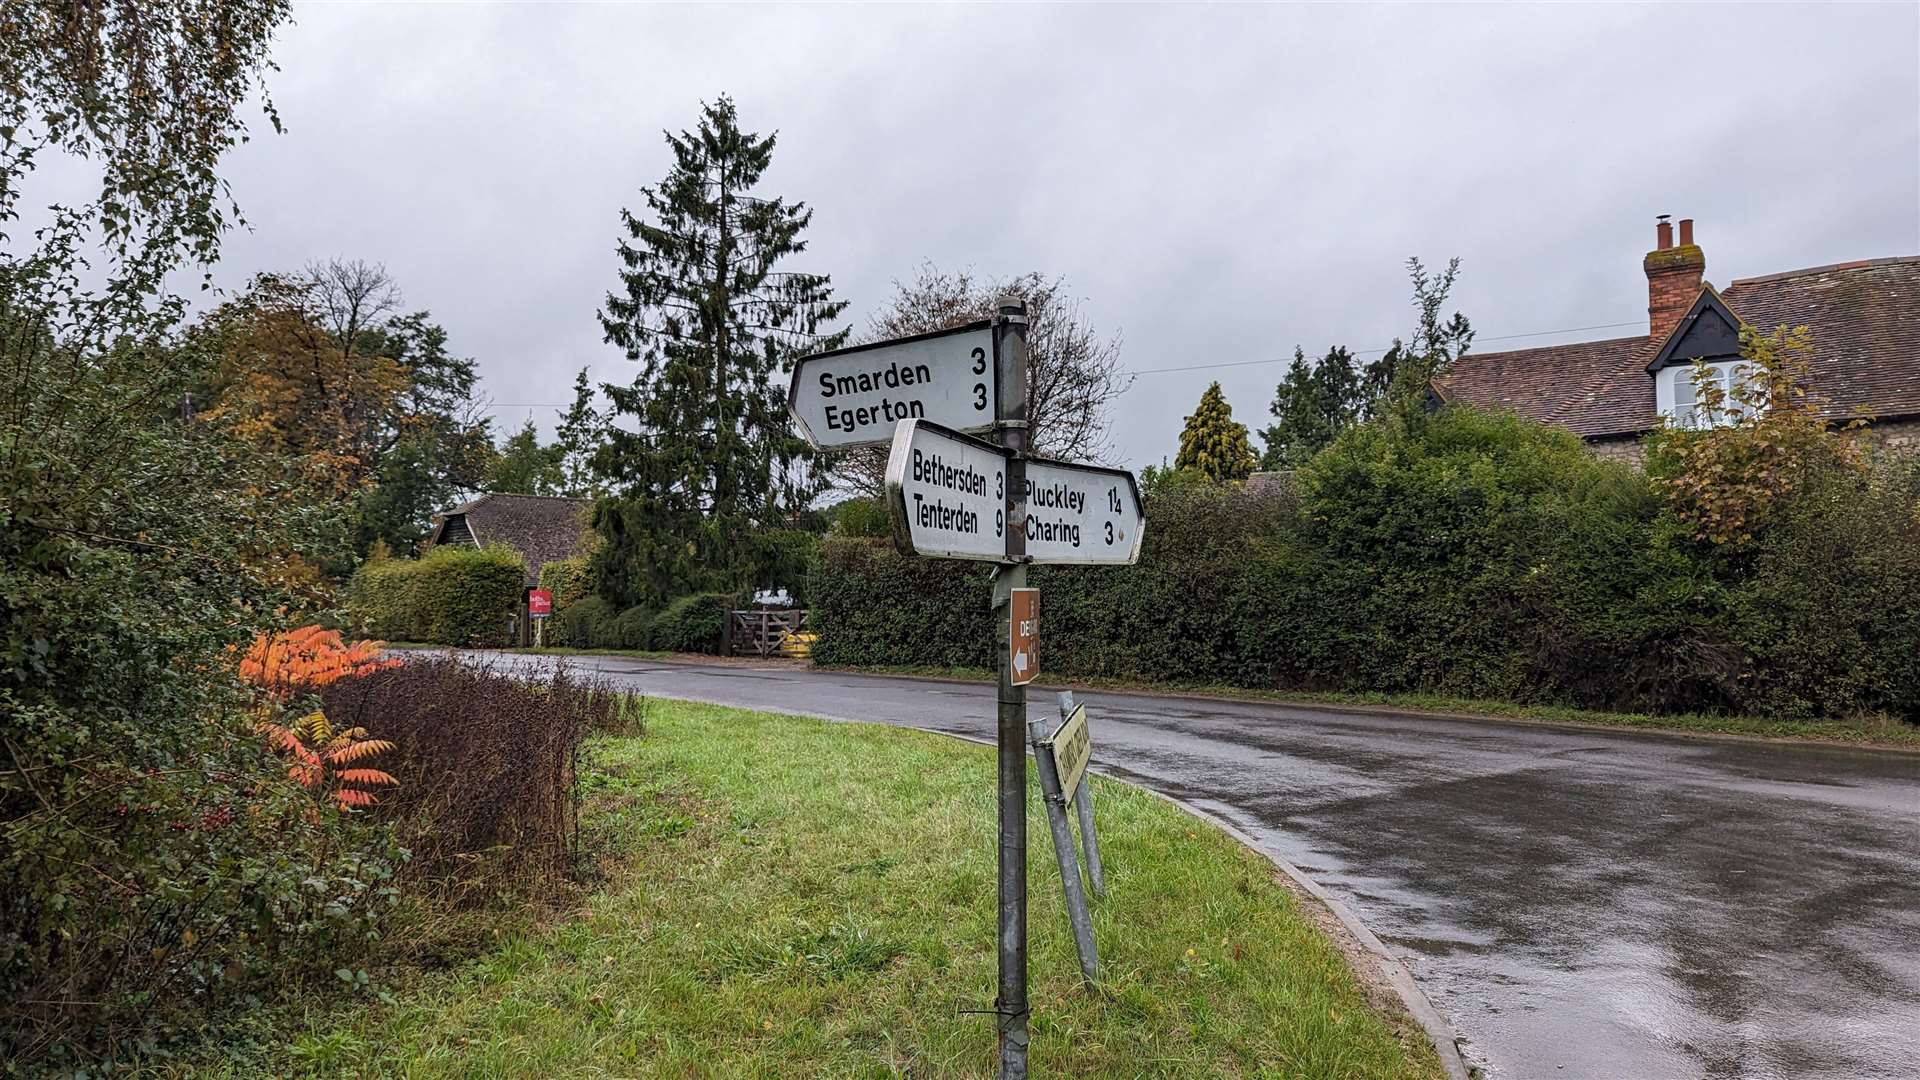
x=802 y=898
x=1880 y=731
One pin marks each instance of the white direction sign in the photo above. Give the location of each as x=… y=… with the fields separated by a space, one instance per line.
x=1082 y=514
x=855 y=397
x=948 y=493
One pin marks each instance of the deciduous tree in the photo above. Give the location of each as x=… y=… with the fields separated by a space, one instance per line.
x=153 y=857
x=1400 y=382
x=320 y=368
x=1073 y=369
x=1767 y=440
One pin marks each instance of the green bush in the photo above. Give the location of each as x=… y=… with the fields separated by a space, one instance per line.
x=873 y=606
x=1829 y=610
x=566 y=579
x=380 y=600
x=450 y=596
x=635 y=628
x=1480 y=555
x=862 y=517
x=693 y=623
x=589 y=623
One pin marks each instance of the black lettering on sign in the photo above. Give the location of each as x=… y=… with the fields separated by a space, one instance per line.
x=888 y=410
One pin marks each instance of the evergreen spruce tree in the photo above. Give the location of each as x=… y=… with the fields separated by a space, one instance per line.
x=577 y=440
x=1213 y=444
x=1312 y=405
x=712 y=456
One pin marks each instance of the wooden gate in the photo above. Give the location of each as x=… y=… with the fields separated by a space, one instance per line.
x=765 y=632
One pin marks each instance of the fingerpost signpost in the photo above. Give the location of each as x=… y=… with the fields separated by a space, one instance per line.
x=954 y=496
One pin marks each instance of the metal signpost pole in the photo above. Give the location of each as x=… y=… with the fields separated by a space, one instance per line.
x=1082 y=798
x=1043 y=733
x=1010 y=363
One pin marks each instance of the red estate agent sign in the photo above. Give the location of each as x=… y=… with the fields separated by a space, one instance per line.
x=539 y=603
x=1023 y=639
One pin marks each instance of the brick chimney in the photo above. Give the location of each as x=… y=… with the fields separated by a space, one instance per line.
x=1674 y=274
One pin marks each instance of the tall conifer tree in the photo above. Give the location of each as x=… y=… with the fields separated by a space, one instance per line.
x=1213 y=443
x=712 y=456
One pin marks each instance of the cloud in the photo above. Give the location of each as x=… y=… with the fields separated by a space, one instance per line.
x=1219 y=183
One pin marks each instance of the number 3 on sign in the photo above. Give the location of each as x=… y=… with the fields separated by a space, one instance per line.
x=979 y=389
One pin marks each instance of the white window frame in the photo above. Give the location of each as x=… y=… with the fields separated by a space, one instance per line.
x=1674 y=382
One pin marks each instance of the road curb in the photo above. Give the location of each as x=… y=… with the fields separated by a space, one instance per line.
x=1676 y=734
x=1440 y=1033
x=1446 y=1041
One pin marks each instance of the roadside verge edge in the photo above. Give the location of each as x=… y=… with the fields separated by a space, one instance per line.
x=1439 y=1032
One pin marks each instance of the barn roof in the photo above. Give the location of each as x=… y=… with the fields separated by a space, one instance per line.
x=541 y=528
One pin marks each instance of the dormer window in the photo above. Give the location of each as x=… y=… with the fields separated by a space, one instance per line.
x=1680 y=392
x=1704 y=344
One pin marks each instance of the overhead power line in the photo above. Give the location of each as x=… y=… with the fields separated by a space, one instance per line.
x=1384 y=348
x=1204 y=367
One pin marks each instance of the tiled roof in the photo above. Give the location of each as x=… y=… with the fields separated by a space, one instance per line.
x=541 y=528
x=1545 y=382
x=1865 y=319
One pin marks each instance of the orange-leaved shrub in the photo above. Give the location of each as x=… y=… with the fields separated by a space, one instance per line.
x=304 y=660
x=327 y=760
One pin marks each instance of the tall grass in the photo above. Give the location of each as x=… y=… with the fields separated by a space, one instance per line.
x=488 y=767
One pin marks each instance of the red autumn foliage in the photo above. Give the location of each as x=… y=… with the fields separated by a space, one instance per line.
x=323 y=759
x=307 y=659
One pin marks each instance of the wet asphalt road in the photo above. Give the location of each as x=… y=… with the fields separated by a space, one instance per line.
x=1579 y=903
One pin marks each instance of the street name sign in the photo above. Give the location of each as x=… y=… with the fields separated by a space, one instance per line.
x=1023 y=635
x=1082 y=514
x=1072 y=748
x=856 y=396
x=947 y=493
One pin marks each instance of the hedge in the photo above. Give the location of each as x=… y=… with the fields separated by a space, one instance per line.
x=693 y=623
x=587 y=623
x=1482 y=556
x=566 y=579
x=450 y=596
x=635 y=628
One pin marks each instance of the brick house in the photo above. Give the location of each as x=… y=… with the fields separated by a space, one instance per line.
x=541 y=528
x=1864 y=316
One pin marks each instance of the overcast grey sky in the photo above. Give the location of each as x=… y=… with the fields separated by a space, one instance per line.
x=1219 y=183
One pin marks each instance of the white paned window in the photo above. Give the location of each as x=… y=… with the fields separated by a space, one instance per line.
x=1683 y=401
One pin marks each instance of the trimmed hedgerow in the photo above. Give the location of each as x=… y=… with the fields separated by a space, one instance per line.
x=566 y=579
x=450 y=596
x=1474 y=555
x=872 y=606
x=693 y=623
x=635 y=628
x=588 y=623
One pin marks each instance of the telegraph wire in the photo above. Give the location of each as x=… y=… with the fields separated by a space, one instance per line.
x=1384 y=348
x=1205 y=367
